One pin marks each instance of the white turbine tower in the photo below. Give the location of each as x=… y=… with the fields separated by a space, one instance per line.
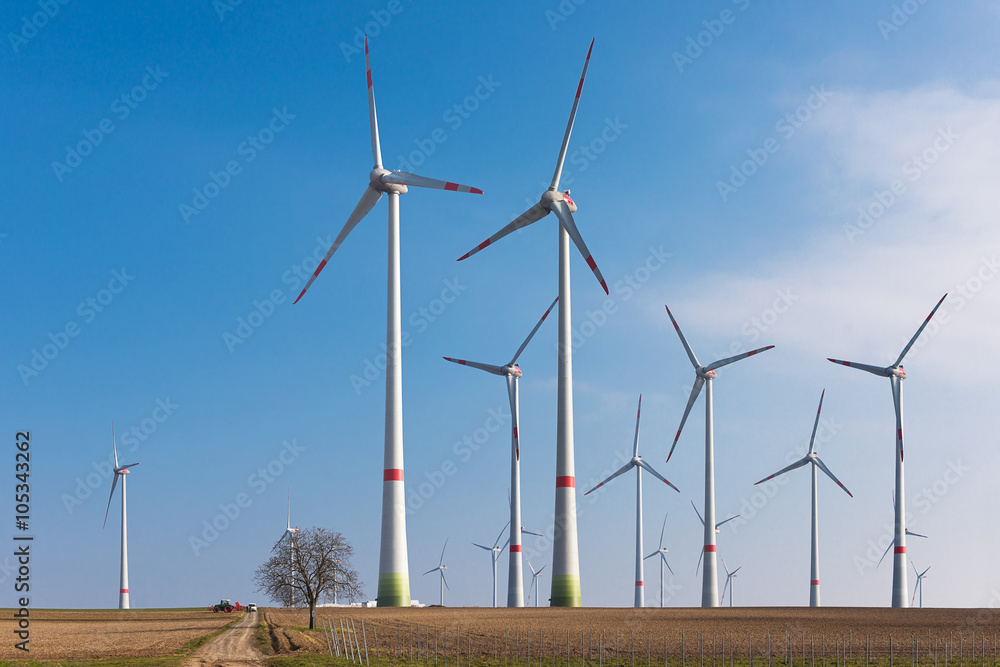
x=495 y=552
x=896 y=375
x=441 y=568
x=512 y=373
x=919 y=585
x=703 y=378
x=534 y=581
x=813 y=458
x=639 y=466
x=907 y=532
x=122 y=472
x=565 y=546
x=394 y=577
x=661 y=551
x=702 y=554
x=290 y=534
x=729 y=582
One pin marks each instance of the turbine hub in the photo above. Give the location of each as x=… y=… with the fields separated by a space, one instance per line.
x=375 y=177
x=708 y=375
x=121 y=471
x=512 y=369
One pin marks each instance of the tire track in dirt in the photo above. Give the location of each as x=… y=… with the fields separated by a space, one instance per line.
x=233 y=648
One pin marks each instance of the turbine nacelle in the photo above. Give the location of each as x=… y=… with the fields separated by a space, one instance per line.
x=702 y=373
x=897 y=372
x=511 y=370
x=377 y=179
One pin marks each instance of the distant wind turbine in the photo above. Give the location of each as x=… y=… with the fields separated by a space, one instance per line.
x=495 y=552
x=511 y=372
x=661 y=551
x=639 y=465
x=394 y=576
x=534 y=581
x=813 y=458
x=703 y=377
x=919 y=585
x=896 y=375
x=716 y=532
x=729 y=582
x=440 y=569
x=122 y=472
x=290 y=534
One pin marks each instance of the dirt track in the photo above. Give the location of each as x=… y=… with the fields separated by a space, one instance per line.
x=234 y=647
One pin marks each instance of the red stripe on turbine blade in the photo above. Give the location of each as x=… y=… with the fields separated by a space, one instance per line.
x=515 y=548
x=815 y=582
x=451 y=186
x=710 y=547
x=515 y=432
x=320 y=267
x=899 y=434
x=899 y=550
x=566 y=481
x=484 y=244
x=392 y=475
x=369 y=78
x=605 y=286
x=299 y=296
x=591 y=263
x=475 y=191
x=579 y=89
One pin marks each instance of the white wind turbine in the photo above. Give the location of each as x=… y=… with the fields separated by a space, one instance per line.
x=565 y=546
x=290 y=535
x=729 y=582
x=512 y=373
x=735 y=516
x=896 y=375
x=441 y=568
x=534 y=581
x=661 y=551
x=907 y=532
x=495 y=552
x=919 y=585
x=639 y=466
x=703 y=378
x=394 y=577
x=122 y=472
x=813 y=458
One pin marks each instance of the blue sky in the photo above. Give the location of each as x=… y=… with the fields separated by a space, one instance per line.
x=866 y=137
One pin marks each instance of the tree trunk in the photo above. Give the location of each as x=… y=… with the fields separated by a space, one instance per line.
x=312 y=615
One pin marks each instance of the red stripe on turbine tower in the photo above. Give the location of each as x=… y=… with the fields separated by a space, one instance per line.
x=815 y=582
x=392 y=475
x=566 y=481
x=638 y=583
x=899 y=550
x=124 y=590
x=710 y=547
x=515 y=548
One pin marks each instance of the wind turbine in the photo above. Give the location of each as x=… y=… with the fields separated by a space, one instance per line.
x=512 y=373
x=896 y=375
x=661 y=551
x=290 y=534
x=698 y=567
x=394 y=577
x=565 y=546
x=813 y=458
x=495 y=552
x=703 y=378
x=120 y=471
x=441 y=568
x=919 y=585
x=534 y=581
x=729 y=582
x=639 y=466
x=907 y=532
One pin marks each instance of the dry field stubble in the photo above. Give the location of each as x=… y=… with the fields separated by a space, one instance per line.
x=91 y=634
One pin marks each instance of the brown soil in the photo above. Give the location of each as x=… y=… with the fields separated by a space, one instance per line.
x=107 y=634
x=234 y=647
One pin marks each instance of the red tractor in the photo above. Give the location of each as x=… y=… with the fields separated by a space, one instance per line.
x=227 y=606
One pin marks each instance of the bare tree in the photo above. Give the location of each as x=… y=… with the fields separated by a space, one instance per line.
x=314 y=564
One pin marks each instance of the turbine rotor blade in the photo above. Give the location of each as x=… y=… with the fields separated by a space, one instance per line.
x=738 y=357
x=373 y=119
x=635 y=441
x=621 y=471
x=687 y=348
x=897 y=400
x=365 y=204
x=489 y=368
x=798 y=464
x=114 y=443
x=662 y=529
x=533 y=214
x=406 y=178
x=912 y=534
x=566 y=218
x=429 y=571
x=569 y=126
x=917 y=335
x=812 y=438
x=497 y=541
x=110 y=495
x=822 y=466
x=441 y=562
x=532 y=334
x=445 y=580
x=875 y=370
x=648 y=468
x=699 y=382
x=697 y=512
x=515 y=423
x=664 y=556
x=726 y=521
x=891 y=544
